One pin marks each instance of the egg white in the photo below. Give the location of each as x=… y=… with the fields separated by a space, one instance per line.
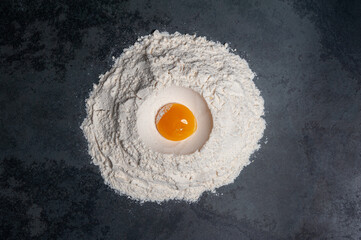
x=148 y=132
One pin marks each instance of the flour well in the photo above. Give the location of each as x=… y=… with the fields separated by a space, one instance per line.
x=152 y=64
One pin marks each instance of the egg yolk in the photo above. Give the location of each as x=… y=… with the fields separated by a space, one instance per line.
x=175 y=122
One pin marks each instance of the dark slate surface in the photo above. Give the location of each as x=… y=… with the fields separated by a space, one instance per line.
x=304 y=183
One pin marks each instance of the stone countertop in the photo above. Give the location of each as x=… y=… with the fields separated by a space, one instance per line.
x=304 y=182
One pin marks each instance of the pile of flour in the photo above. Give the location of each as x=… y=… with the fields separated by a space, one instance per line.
x=153 y=63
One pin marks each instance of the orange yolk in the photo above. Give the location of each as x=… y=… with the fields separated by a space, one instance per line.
x=175 y=122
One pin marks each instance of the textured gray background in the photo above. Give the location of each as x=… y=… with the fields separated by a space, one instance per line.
x=305 y=183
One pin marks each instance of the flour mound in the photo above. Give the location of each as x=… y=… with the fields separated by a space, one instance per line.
x=153 y=63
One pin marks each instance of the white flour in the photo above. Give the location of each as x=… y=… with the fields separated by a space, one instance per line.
x=151 y=64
